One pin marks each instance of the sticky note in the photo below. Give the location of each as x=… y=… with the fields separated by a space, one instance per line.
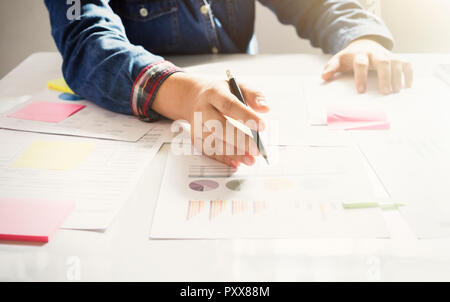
x=32 y=220
x=46 y=111
x=367 y=205
x=59 y=85
x=53 y=155
x=357 y=119
x=363 y=205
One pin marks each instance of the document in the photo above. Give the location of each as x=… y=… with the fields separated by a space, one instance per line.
x=8 y=103
x=299 y=195
x=97 y=175
x=92 y=121
x=443 y=72
x=413 y=107
x=414 y=168
x=287 y=122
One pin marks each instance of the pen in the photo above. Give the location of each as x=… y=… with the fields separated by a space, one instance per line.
x=234 y=87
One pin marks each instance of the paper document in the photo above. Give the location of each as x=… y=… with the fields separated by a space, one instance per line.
x=287 y=119
x=299 y=195
x=412 y=108
x=443 y=72
x=8 y=103
x=98 y=175
x=414 y=169
x=91 y=121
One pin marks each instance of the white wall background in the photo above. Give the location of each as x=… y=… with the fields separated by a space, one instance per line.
x=417 y=25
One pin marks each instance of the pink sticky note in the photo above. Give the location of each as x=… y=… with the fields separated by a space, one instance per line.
x=357 y=119
x=369 y=126
x=31 y=220
x=47 y=111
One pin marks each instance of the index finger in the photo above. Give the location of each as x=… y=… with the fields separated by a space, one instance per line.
x=229 y=105
x=360 y=70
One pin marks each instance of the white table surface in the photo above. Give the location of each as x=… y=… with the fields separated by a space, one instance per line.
x=124 y=252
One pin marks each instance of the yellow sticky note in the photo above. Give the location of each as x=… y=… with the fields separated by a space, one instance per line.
x=53 y=155
x=59 y=85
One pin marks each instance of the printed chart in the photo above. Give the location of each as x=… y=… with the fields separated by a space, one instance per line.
x=290 y=198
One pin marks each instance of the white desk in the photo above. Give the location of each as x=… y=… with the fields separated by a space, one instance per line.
x=124 y=251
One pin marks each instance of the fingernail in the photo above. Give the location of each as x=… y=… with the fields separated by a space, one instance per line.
x=261 y=101
x=248 y=160
x=361 y=88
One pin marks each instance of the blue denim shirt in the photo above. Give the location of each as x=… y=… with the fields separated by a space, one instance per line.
x=112 y=54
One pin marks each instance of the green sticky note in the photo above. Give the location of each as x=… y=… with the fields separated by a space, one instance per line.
x=362 y=205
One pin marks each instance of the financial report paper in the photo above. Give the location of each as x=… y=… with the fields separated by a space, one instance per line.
x=98 y=175
x=299 y=195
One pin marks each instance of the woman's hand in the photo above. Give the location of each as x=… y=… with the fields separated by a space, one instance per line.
x=363 y=55
x=205 y=104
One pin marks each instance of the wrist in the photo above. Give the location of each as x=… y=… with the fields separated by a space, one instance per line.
x=177 y=96
x=371 y=39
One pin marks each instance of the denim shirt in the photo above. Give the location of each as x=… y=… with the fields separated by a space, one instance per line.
x=113 y=53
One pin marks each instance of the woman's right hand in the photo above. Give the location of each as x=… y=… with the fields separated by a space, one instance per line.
x=205 y=103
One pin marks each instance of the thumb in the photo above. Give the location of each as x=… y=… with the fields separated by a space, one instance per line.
x=333 y=66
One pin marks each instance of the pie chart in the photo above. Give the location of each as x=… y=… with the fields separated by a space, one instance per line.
x=203 y=185
x=237 y=184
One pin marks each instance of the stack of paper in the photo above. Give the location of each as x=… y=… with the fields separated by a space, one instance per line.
x=98 y=175
x=47 y=113
x=95 y=175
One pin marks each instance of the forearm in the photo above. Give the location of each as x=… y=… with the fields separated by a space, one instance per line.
x=100 y=64
x=330 y=24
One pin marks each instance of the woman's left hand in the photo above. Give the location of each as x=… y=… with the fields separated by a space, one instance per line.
x=365 y=54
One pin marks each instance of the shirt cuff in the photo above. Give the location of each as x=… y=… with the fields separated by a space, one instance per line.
x=378 y=33
x=145 y=88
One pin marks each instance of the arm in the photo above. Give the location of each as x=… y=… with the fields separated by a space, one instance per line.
x=330 y=24
x=100 y=64
x=359 y=39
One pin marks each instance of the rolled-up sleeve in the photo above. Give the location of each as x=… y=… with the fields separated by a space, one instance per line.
x=100 y=64
x=331 y=24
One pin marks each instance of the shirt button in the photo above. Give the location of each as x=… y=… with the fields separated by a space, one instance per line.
x=214 y=50
x=143 y=12
x=204 y=9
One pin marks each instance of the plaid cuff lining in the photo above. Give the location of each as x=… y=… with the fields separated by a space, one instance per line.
x=146 y=86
